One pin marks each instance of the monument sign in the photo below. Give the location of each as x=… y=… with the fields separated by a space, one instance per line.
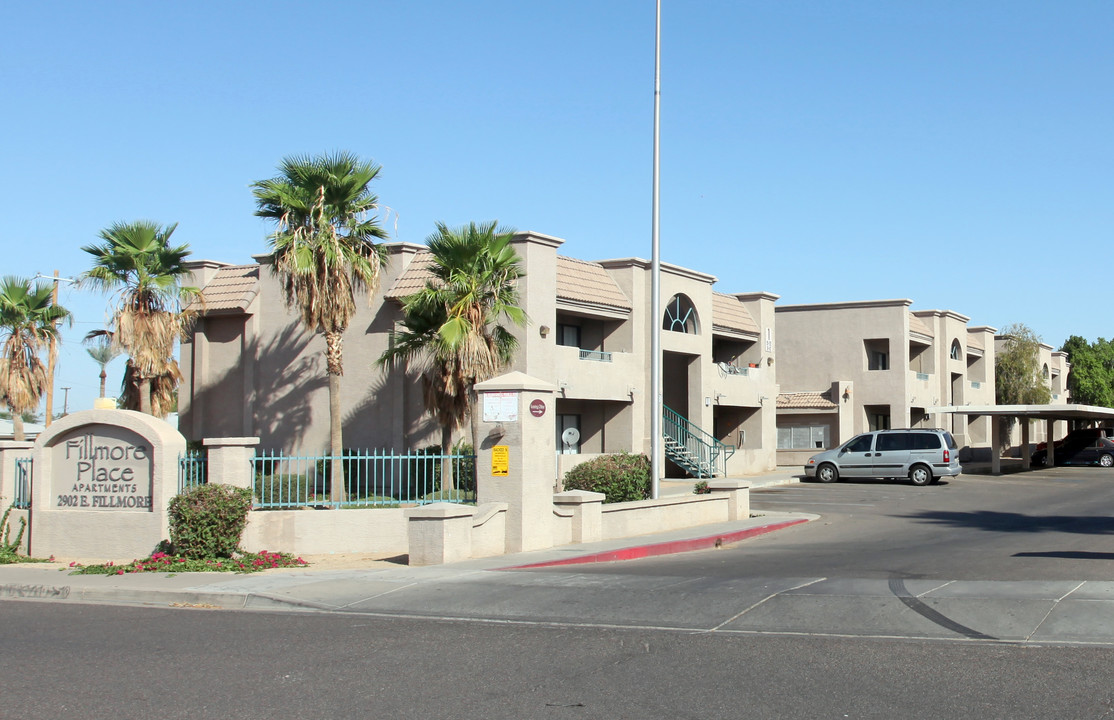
x=101 y=483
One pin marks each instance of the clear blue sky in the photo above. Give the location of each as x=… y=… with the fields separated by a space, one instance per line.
x=956 y=153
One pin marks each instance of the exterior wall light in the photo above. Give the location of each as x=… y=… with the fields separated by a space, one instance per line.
x=544 y=330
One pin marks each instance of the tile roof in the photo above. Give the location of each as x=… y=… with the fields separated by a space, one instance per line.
x=587 y=282
x=577 y=281
x=806 y=401
x=729 y=313
x=232 y=288
x=919 y=326
x=412 y=279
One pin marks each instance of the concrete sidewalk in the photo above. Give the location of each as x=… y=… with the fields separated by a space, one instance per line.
x=331 y=589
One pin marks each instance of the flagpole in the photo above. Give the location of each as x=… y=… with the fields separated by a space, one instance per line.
x=655 y=286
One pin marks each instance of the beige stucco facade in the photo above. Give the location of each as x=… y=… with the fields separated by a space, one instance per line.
x=251 y=370
x=847 y=368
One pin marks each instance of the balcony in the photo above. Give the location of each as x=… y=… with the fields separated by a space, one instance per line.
x=597 y=374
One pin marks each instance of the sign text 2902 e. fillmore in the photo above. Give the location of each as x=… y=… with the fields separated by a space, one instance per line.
x=103 y=473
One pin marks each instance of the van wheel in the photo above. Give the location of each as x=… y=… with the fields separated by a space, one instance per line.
x=1106 y=461
x=827 y=473
x=920 y=475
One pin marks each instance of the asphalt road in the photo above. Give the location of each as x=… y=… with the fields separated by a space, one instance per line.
x=1047 y=525
x=88 y=661
x=980 y=597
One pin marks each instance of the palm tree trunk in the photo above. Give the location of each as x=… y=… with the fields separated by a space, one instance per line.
x=334 y=369
x=17 y=427
x=145 y=395
x=447 y=485
x=104 y=376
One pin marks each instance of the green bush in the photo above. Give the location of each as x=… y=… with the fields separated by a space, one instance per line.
x=207 y=521
x=622 y=477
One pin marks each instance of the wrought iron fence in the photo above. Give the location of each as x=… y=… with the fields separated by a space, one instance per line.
x=22 y=496
x=372 y=478
x=193 y=470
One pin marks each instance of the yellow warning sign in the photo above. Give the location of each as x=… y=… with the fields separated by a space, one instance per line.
x=500 y=461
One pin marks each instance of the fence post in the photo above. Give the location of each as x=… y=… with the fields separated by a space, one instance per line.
x=10 y=450
x=229 y=460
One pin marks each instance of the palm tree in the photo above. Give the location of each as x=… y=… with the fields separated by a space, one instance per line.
x=103 y=352
x=324 y=252
x=137 y=262
x=28 y=321
x=454 y=323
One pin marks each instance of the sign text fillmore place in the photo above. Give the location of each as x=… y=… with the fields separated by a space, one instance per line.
x=109 y=471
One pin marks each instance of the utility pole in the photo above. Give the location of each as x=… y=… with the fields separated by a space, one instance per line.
x=66 y=402
x=53 y=349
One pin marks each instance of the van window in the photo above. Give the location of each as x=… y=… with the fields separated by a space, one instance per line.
x=894 y=441
x=950 y=441
x=860 y=444
x=925 y=441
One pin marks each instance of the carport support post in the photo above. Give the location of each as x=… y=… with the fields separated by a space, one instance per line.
x=996 y=446
x=1026 y=454
x=1050 y=426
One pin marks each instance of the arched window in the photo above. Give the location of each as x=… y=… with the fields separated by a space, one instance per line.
x=957 y=351
x=680 y=316
x=1044 y=372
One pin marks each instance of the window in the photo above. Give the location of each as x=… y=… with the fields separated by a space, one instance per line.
x=879 y=421
x=680 y=316
x=957 y=351
x=1044 y=372
x=926 y=441
x=860 y=444
x=568 y=335
x=897 y=441
x=877 y=354
x=808 y=437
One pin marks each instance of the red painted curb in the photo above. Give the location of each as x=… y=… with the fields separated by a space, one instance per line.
x=665 y=548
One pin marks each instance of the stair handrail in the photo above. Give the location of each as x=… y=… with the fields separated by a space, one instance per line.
x=711 y=454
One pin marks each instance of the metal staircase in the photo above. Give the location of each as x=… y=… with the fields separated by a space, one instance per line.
x=696 y=451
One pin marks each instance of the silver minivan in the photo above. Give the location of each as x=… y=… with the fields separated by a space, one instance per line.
x=923 y=455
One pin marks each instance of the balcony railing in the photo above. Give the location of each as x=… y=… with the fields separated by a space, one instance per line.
x=595 y=355
x=728 y=369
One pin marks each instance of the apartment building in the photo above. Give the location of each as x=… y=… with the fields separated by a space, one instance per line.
x=852 y=367
x=1054 y=369
x=251 y=370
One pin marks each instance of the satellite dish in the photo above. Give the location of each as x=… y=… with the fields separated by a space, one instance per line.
x=570 y=437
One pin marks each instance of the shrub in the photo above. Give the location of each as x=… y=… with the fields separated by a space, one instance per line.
x=207 y=521
x=620 y=477
x=701 y=488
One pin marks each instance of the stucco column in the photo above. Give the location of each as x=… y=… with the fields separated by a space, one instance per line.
x=738 y=497
x=587 y=513
x=229 y=460
x=439 y=533
x=1026 y=454
x=1049 y=435
x=515 y=460
x=995 y=446
x=10 y=451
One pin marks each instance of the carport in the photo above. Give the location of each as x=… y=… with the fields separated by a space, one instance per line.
x=1026 y=413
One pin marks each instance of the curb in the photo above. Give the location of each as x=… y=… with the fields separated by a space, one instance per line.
x=665 y=548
